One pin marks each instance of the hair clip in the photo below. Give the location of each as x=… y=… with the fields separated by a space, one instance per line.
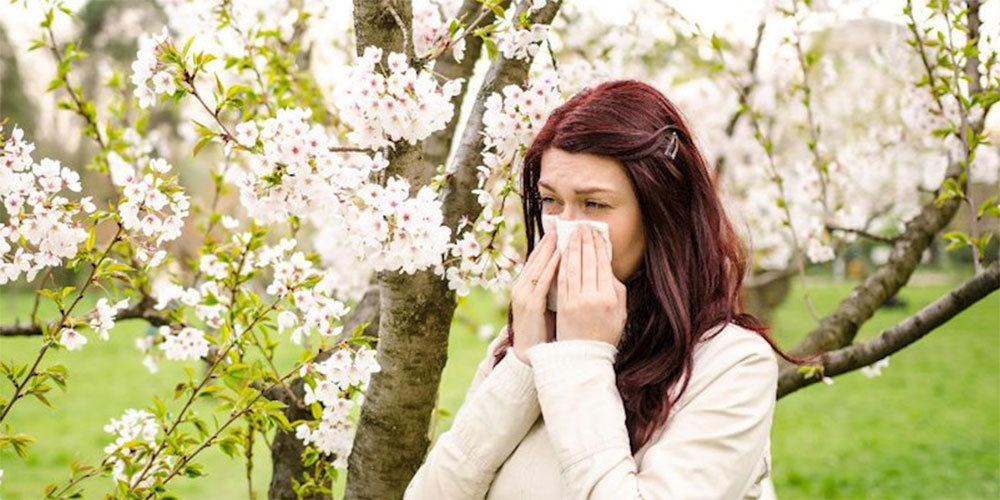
x=674 y=145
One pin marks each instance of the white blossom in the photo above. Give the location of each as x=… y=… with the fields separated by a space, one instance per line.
x=875 y=369
x=246 y=134
x=41 y=228
x=188 y=343
x=135 y=432
x=71 y=339
x=517 y=43
x=334 y=378
x=104 y=316
x=403 y=105
x=146 y=66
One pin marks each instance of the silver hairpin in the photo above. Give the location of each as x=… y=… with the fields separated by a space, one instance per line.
x=674 y=145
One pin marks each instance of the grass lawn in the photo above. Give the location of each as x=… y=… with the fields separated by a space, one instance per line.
x=929 y=427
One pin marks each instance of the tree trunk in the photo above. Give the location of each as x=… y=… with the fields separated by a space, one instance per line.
x=392 y=436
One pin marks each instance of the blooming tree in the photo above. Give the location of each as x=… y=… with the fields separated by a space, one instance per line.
x=360 y=188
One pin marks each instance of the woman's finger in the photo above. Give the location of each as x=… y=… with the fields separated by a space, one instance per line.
x=545 y=278
x=588 y=260
x=563 y=279
x=539 y=255
x=574 y=283
x=604 y=271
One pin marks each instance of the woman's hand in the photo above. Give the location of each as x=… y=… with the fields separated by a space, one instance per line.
x=533 y=323
x=591 y=300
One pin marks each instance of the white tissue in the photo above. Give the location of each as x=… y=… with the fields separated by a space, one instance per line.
x=564 y=229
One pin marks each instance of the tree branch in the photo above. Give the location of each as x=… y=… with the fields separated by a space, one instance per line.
x=720 y=163
x=861 y=232
x=900 y=335
x=437 y=146
x=142 y=310
x=459 y=199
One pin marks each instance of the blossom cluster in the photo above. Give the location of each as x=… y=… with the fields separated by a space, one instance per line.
x=335 y=378
x=36 y=211
x=188 y=343
x=511 y=120
x=520 y=43
x=315 y=307
x=430 y=33
x=307 y=291
x=517 y=42
x=146 y=70
x=135 y=437
x=384 y=107
x=514 y=116
x=153 y=206
x=103 y=319
x=296 y=174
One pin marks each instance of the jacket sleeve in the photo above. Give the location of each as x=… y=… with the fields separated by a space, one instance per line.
x=500 y=407
x=711 y=444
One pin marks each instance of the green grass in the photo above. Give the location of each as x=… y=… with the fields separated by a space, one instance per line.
x=929 y=427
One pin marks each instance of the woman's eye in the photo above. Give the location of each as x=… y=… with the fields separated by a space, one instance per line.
x=590 y=203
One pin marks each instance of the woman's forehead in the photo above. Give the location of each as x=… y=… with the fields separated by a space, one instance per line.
x=580 y=172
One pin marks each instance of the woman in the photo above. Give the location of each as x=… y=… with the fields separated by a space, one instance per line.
x=648 y=381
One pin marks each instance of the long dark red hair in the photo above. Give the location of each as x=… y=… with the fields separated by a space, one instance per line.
x=694 y=262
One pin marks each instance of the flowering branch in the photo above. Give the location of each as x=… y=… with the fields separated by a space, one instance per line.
x=19 y=387
x=805 y=63
x=765 y=142
x=197 y=390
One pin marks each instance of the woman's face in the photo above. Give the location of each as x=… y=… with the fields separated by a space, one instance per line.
x=576 y=186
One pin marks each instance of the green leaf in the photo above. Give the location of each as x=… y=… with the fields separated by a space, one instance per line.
x=491 y=48
x=160 y=408
x=717 y=43
x=989 y=207
x=981 y=244
x=194 y=470
x=957 y=239
x=204 y=141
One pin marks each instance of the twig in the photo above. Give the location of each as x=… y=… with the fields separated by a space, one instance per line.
x=399 y=22
x=965 y=128
x=194 y=393
x=232 y=418
x=860 y=232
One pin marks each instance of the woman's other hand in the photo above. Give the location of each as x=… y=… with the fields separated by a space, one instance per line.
x=533 y=323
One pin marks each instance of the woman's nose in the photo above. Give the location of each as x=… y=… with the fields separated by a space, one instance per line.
x=568 y=213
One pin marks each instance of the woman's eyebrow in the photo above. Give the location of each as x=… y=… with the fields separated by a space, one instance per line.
x=591 y=189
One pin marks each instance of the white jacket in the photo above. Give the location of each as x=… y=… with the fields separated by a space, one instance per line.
x=556 y=429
